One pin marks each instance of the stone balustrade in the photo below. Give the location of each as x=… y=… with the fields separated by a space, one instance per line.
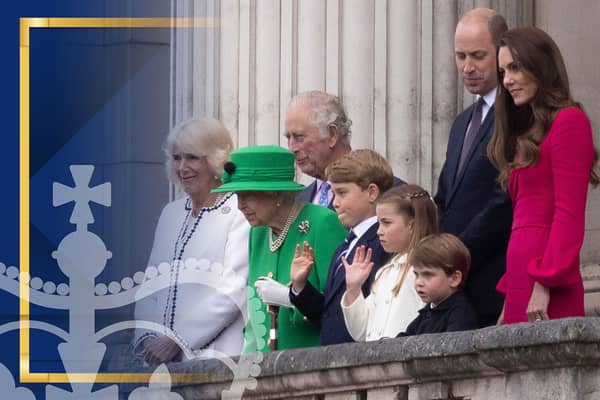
x=591 y=283
x=557 y=359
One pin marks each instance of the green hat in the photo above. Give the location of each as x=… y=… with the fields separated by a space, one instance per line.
x=260 y=168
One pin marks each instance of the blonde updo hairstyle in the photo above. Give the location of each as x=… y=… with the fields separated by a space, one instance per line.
x=202 y=137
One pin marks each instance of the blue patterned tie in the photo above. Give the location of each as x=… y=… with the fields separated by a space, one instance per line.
x=344 y=251
x=324 y=194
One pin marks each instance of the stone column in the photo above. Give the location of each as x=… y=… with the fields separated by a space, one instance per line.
x=392 y=63
x=400 y=91
x=267 y=70
x=439 y=21
x=357 y=68
x=135 y=120
x=229 y=63
x=311 y=57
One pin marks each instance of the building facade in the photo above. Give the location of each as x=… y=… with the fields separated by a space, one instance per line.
x=391 y=62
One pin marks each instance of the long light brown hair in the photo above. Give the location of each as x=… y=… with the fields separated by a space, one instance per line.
x=414 y=203
x=522 y=128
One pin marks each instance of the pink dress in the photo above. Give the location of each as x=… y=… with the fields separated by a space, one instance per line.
x=549 y=221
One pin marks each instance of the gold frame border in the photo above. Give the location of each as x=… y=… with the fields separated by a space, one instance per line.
x=26 y=24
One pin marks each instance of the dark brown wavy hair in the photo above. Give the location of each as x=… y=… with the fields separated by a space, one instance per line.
x=522 y=128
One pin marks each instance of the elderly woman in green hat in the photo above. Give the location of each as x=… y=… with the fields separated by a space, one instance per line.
x=263 y=179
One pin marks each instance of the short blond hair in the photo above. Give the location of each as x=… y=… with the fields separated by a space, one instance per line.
x=202 y=137
x=362 y=167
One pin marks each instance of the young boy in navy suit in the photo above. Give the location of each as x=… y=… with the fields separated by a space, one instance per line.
x=357 y=180
x=441 y=264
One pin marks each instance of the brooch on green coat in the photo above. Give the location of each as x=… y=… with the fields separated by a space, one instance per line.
x=304 y=227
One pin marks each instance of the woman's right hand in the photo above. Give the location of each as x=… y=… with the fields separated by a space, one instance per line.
x=537 y=309
x=159 y=350
x=301 y=266
x=357 y=273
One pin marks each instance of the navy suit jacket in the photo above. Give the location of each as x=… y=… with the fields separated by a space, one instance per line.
x=324 y=310
x=474 y=207
x=308 y=193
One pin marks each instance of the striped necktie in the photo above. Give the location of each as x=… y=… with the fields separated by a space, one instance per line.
x=344 y=251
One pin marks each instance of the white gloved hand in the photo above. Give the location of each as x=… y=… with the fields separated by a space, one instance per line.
x=272 y=292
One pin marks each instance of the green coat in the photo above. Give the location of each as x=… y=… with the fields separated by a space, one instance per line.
x=325 y=234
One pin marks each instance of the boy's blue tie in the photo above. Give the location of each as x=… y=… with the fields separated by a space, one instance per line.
x=344 y=251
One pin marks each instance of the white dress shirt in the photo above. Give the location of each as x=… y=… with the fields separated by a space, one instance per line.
x=359 y=230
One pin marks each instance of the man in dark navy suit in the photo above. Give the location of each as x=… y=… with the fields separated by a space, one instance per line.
x=357 y=180
x=471 y=203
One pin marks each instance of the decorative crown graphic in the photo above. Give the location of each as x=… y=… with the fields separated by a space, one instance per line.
x=82 y=256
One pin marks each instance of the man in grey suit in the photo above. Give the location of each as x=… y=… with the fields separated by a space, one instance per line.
x=318 y=132
x=471 y=203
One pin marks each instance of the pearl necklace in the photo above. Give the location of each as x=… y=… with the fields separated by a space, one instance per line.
x=274 y=245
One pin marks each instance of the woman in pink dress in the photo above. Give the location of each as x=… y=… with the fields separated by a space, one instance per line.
x=542 y=145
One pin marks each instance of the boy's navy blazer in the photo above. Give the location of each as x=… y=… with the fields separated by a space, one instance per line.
x=324 y=310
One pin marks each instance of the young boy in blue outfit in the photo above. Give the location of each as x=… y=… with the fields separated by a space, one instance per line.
x=357 y=181
x=441 y=264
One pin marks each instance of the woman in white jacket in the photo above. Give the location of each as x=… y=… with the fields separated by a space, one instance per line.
x=202 y=239
x=405 y=214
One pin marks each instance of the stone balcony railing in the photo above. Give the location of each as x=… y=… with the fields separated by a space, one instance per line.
x=591 y=283
x=547 y=360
